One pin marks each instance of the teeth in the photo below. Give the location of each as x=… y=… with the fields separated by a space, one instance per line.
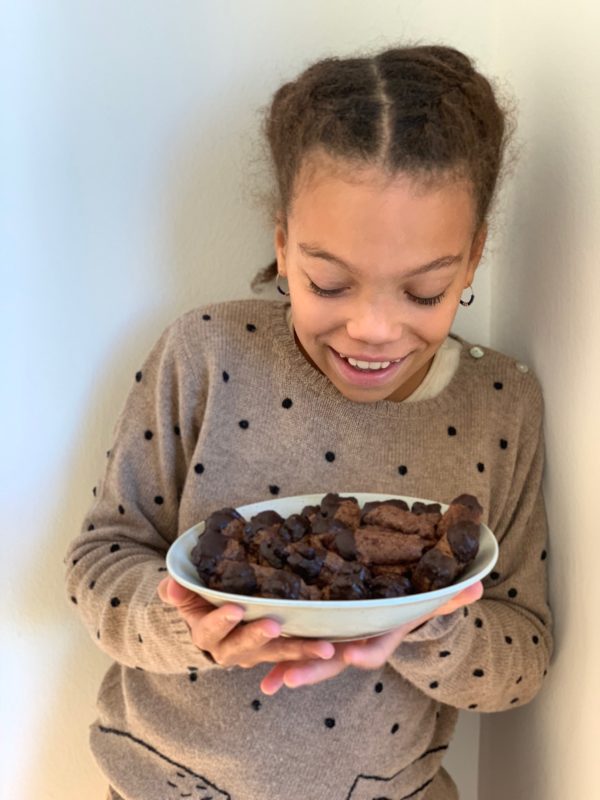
x=368 y=364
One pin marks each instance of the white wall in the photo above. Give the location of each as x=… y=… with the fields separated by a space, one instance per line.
x=125 y=199
x=546 y=297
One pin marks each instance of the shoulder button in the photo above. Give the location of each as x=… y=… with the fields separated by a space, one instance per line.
x=476 y=352
x=522 y=367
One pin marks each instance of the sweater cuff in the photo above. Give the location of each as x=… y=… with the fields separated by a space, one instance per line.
x=434 y=628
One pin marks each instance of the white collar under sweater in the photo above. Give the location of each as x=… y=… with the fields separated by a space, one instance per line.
x=439 y=375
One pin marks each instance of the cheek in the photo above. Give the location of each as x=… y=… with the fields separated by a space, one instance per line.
x=313 y=314
x=433 y=325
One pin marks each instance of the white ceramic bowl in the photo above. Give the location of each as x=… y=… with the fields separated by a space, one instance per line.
x=334 y=620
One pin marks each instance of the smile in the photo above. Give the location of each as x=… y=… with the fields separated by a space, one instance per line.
x=368 y=366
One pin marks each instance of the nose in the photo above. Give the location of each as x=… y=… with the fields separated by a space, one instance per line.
x=375 y=322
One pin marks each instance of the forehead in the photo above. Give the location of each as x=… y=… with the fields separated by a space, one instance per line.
x=361 y=204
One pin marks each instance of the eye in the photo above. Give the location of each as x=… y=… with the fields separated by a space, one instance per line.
x=324 y=292
x=427 y=301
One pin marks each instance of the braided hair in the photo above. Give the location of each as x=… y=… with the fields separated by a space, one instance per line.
x=424 y=111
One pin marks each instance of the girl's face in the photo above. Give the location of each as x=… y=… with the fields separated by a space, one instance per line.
x=375 y=271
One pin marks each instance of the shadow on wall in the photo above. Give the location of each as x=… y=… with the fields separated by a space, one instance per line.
x=204 y=246
x=533 y=321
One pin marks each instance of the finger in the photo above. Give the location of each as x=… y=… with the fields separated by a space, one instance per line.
x=311 y=672
x=469 y=595
x=174 y=593
x=273 y=680
x=211 y=628
x=373 y=653
x=260 y=642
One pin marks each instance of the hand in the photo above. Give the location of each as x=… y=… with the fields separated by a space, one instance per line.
x=364 y=653
x=218 y=631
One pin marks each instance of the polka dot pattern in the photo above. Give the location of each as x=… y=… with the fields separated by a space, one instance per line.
x=489 y=458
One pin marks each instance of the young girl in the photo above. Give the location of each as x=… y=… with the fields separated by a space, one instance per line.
x=385 y=170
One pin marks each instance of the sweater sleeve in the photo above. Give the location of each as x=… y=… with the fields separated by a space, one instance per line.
x=493 y=654
x=114 y=566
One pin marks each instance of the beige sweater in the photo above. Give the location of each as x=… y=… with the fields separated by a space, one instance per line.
x=209 y=423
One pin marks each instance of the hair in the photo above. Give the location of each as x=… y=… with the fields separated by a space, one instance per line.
x=424 y=111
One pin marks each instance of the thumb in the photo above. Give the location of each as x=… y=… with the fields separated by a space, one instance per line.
x=174 y=593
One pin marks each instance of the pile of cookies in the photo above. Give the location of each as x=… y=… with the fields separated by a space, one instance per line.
x=338 y=550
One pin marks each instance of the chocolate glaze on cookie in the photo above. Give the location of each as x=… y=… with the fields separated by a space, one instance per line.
x=338 y=551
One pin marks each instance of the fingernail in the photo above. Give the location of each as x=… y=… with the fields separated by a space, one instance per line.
x=232 y=617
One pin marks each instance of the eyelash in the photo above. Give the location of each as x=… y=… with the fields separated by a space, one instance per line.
x=427 y=301
x=324 y=292
x=422 y=301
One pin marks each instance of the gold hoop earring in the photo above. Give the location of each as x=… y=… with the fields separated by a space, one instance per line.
x=470 y=300
x=279 y=289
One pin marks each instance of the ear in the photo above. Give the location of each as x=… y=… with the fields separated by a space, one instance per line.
x=280 y=242
x=477 y=246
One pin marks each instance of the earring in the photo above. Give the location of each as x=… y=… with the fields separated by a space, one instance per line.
x=279 y=289
x=470 y=300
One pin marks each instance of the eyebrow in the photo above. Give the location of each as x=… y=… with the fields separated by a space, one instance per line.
x=316 y=252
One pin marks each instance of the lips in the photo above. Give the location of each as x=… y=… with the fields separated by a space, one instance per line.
x=374 y=375
x=369 y=363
